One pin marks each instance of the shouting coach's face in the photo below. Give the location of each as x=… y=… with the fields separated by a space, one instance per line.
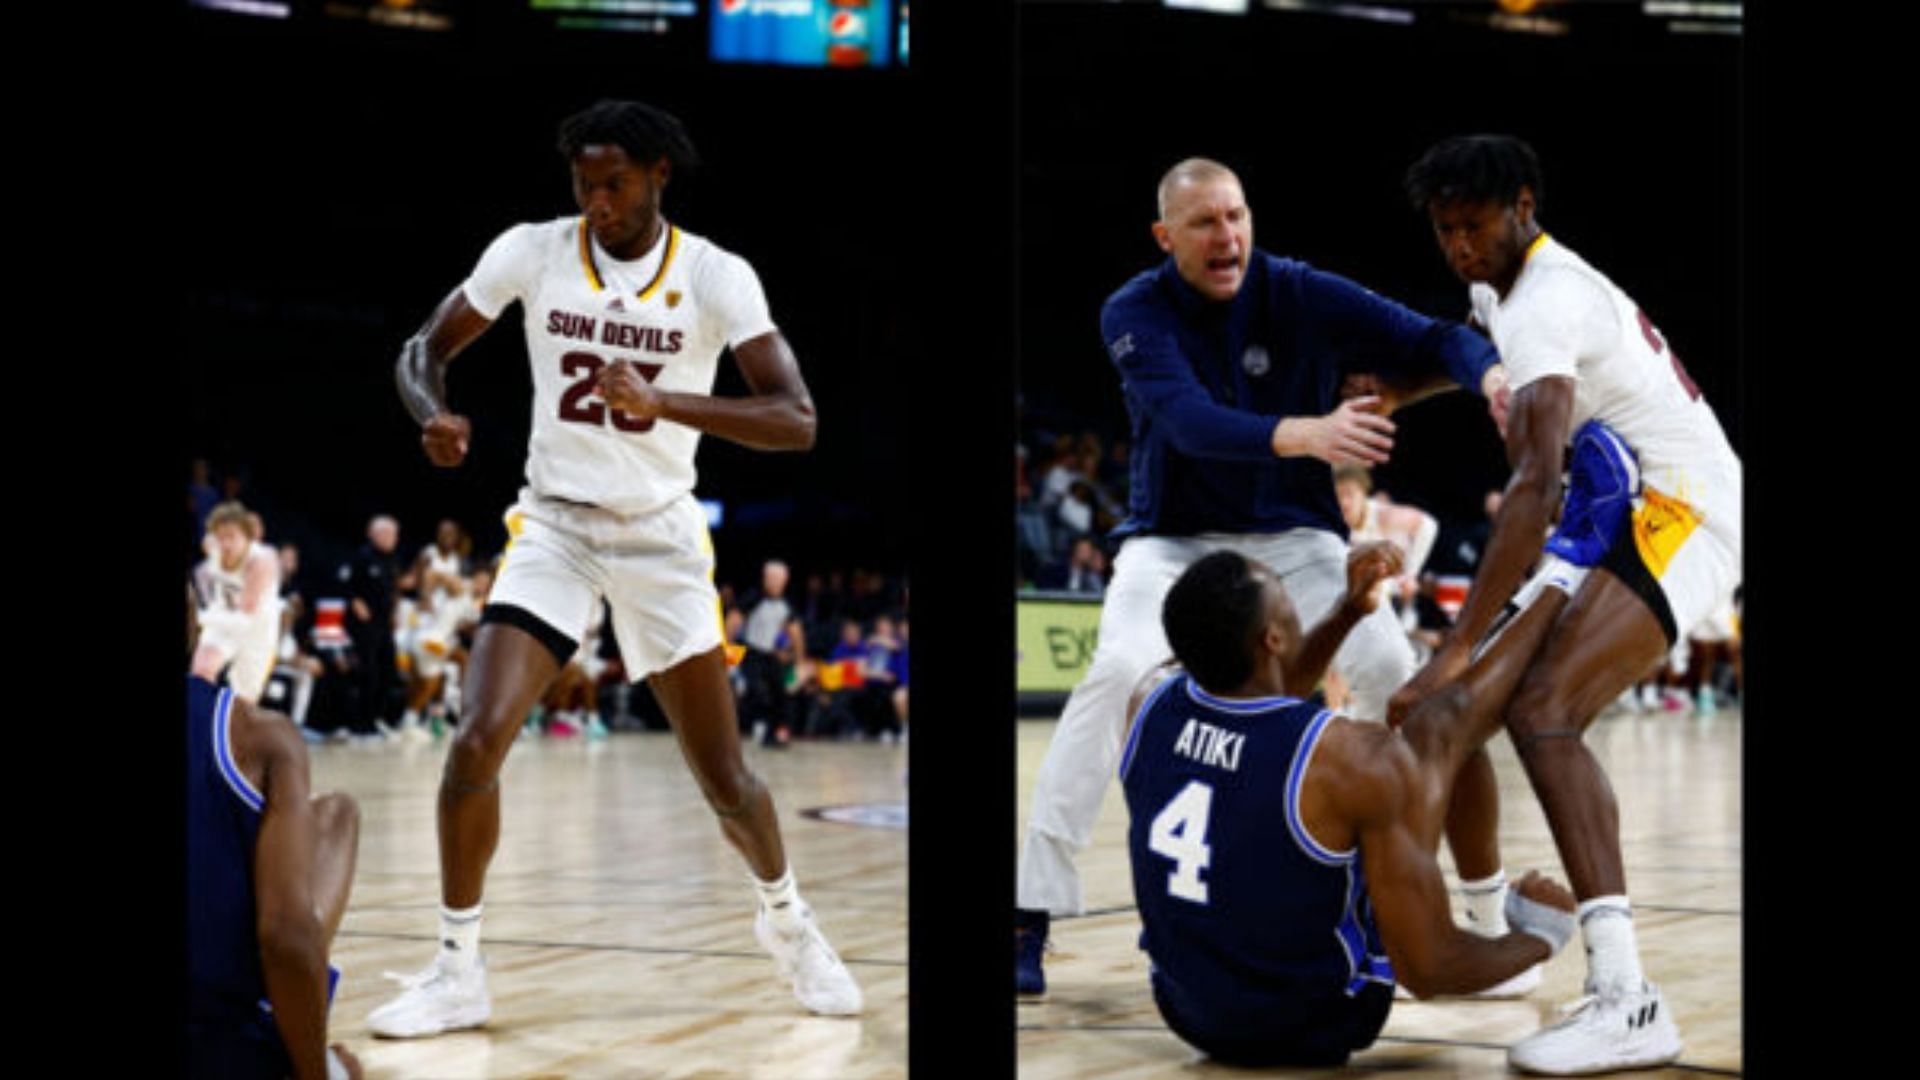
x=1208 y=230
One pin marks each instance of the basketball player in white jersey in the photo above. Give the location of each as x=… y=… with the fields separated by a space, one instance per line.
x=436 y=618
x=626 y=316
x=1577 y=349
x=239 y=617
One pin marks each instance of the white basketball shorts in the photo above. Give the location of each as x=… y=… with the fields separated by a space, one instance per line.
x=655 y=570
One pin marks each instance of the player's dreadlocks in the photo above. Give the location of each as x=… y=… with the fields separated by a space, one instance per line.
x=1474 y=168
x=647 y=134
x=1212 y=615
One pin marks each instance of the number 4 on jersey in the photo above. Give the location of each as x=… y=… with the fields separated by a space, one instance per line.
x=1179 y=831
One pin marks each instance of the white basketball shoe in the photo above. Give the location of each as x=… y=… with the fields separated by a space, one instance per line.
x=436 y=1000
x=820 y=980
x=1614 y=1029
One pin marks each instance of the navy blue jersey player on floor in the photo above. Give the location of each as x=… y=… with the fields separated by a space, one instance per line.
x=1283 y=855
x=268 y=872
x=1233 y=362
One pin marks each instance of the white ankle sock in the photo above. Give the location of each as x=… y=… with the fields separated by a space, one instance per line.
x=460 y=937
x=1613 y=956
x=1487 y=904
x=781 y=900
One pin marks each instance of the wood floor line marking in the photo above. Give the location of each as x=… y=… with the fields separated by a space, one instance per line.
x=1455 y=1043
x=653 y=950
x=1664 y=909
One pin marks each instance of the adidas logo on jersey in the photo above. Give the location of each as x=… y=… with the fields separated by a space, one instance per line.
x=616 y=305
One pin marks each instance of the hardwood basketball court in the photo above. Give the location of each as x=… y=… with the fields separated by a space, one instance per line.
x=1677 y=780
x=619 y=924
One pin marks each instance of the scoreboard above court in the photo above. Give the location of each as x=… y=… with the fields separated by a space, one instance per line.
x=788 y=33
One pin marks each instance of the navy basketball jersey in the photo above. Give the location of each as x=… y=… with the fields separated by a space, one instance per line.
x=1242 y=912
x=227 y=994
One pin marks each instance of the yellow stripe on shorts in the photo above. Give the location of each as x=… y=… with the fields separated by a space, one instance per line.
x=735 y=653
x=516 y=524
x=1660 y=526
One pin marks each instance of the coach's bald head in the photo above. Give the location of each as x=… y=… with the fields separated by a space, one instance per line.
x=1206 y=226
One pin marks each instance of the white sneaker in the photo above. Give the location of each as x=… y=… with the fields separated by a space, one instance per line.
x=434 y=1001
x=820 y=980
x=1616 y=1029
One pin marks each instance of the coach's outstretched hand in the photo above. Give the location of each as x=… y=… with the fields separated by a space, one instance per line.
x=1354 y=433
x=445 y=438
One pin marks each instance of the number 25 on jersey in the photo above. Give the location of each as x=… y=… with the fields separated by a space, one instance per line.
x=579 y=407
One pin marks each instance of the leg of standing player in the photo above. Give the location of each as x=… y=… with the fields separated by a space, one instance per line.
x=1605 y=640
x=511 y=669
x=698 y=701
x=699 y=704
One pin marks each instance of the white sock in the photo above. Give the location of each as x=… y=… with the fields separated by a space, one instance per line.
x=781 y=900
x=460 y=937
x=1487 y=904
x=1613 y=956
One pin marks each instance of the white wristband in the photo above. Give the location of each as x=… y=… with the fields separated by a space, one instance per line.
x=1549 y=924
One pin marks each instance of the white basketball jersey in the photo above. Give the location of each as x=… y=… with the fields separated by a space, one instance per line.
x=671 y=312
x=1563 y=317
x=222 y=588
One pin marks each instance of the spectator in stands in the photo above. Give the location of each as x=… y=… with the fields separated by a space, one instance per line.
x=1084 y=570
x=774 y=640
x=371 y=583
x=880 y=678
x=900 y=669
x=831 y=711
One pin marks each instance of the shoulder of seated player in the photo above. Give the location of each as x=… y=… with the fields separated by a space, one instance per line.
x=1368 y=768
x=263 y=741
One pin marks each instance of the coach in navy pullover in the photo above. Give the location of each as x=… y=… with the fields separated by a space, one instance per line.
x=1207 y=382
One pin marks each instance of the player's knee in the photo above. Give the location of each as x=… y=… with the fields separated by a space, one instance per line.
x=730 y=791
x=1437 y=721
x=474 y=759
x=1539 y=716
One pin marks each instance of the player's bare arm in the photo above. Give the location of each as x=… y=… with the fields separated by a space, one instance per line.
x=1369 y=779
x=421 y=375
x=293 y=957
x=1537 y=434
x=1354 y=433
x=777 y=415
x=1398 y=393
x=1367 y=566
